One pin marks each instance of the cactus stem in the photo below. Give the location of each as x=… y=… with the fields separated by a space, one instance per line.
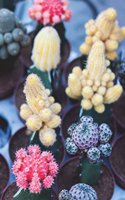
x=90 y=172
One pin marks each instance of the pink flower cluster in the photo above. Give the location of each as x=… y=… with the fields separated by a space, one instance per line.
x=50 y=12
x=34 y=170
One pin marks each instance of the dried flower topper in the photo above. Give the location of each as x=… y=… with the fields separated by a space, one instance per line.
x=46 y=49
x=95 y=83
x=87 y=136
x=34 y=170
x=40 y=111
x=106 y=29
x=13 y=35
x=78 y=191
x=50 y=12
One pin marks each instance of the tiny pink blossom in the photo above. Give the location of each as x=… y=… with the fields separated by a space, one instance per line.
x=52 y=11
x=21 y=154
x=34 y=170
x=56 y=19
x=47 y=182
x=38 y=15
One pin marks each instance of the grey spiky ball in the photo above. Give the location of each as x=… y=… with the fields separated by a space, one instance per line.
x=93 y=154
x=82 y=191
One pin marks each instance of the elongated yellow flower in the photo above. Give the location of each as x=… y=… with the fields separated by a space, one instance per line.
x=40 y=110
x=46 y=49
x=95 y=83
x=105 y=28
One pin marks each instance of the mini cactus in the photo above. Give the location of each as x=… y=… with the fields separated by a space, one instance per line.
x=39 y=112
x=50 y=12
x=105 y=149
x=84 y=135
x=46 y=49
x=93 y=154
x=79 y=191
x=34 y=170
x=11 y=36
x=64 y=195
x=88 y=137
x=47 y=136
x=105 y=133
x=95 y=83
x=70 y=146
x=106 y=29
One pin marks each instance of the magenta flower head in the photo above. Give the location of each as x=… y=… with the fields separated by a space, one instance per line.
x=50 y=12
x=34 y=170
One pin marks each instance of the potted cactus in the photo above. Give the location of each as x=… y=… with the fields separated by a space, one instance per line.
x=41 y=114
x=106 y=29
x=94 y=86
x=13 y=38
x=52 y=13
x=91 y=142
x=34 y=180
x=46 y=57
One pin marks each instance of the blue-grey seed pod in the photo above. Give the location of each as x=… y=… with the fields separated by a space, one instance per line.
x=18 y=34
x=3 y=53
x=26 y=41
x=13 y=48
x=8 y=38
x=20 y=25
x=1 y=39
x=7 y=21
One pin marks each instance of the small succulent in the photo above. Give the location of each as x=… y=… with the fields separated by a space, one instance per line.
x=71 y=148
x=79 y=191
x=105 y=149
x=64 y=195
x=105 y=133
x=93 y=154
x=12 y=35
x=88 y=136
x=83 y=134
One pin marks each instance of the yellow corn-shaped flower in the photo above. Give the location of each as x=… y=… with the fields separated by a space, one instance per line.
x=40 y=111
x=96 y=64
x=95 y=84
x=113 y=94
x=35 y=93
x=46 y=49
x=105 y=22
x=47 y=136
x=106 y=29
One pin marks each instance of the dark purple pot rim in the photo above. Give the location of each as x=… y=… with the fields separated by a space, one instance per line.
x=13 y=137
x=21 y=82
x=5 y=190
x=8 y=171
x=110 y=160
x=118 y=121
x=104 y=165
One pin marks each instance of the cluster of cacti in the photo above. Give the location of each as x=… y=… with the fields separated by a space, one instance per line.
x=95 y=83
x=106 y=29
x=34 y=170
x=46 y=49
x=40 y=111
x=87 y=136
x=12 y=35
x=79 y=191
x=50 y=12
